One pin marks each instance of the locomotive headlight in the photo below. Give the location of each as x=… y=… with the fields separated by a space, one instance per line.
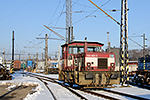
x=112 y=64
x=88 y=64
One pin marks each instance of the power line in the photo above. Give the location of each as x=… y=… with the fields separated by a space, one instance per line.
x=51 y=22
x=75 y=3
x=90 y=13
x=16 y=10
x=54 y=12
x=141 y=30
x=83 y=5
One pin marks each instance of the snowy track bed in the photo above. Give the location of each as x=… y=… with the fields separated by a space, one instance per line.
x=107 y=94
x=62 y=93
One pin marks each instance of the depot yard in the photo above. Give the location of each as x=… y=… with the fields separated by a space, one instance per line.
x=24 y=87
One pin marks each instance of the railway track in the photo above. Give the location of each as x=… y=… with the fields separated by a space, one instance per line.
x=144 y=86
x=54 y=80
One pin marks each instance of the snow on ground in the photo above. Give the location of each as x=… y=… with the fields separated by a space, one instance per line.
x=19 y=79
x=133 y=90
x=62 y=93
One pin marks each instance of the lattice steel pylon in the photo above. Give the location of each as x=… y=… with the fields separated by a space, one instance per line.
x=69 y=32
x=124 y=54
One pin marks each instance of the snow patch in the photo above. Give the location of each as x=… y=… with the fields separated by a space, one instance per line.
x=32 y=96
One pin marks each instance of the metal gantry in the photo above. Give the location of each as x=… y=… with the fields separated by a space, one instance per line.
x=124 y=54
x=69 y=31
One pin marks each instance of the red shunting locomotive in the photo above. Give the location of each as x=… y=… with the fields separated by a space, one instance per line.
x=85 y=64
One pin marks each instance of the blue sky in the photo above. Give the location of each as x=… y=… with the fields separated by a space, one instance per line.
x=28 y=17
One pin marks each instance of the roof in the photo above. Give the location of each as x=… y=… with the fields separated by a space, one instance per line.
x=81 y=41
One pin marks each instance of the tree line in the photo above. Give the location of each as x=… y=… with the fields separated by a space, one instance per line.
x=135 y=54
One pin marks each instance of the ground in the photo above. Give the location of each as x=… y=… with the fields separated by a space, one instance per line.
x=33 y=89
x=20 y=93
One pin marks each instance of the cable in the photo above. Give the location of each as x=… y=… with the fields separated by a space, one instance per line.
x=75 y=3
x=142 y=30
x=91 y=13
x=83 y=5
x=59 y=15
x=49 y=23
x=55 y=12
x=16 y=10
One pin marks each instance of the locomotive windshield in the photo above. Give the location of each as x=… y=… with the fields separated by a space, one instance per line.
x=76 y=49
x=80 y=49
x=93 y=49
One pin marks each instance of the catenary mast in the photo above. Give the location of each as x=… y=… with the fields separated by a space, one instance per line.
x=69 y=28
x=124 y=54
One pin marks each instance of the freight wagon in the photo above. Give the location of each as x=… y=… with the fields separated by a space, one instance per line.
x=17 y=65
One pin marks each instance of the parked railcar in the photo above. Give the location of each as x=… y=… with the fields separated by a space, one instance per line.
x=143 y=73
x=84 y=63
x=29 y=64
x=23 y=66
x=17 y=65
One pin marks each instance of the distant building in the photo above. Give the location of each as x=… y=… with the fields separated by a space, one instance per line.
x=41 y=64
x=0 y=60
x=133 y=65
x=51 y=64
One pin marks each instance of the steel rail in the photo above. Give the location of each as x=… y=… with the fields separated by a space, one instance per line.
x=124 y=94
x=101 y=95
x=53 y=80
x=74 y=92
x=94 y=93
x=45 y=76
x=54 y=97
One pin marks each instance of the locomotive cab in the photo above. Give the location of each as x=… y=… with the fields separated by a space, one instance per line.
x=84 y=63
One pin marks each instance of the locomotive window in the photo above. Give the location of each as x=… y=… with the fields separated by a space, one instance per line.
x=76 y=49
x=94 y=49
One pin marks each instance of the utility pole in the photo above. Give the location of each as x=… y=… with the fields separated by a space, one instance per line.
x=29 y=57
x=46 y=53
x=59 y=57
x=23 y=62
x=33 y=61
x=144 y=50
x=37 y=61
x=124 y=54
x=108 y=49
x=12 y=63
x=3 y=55
x=42 y=56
